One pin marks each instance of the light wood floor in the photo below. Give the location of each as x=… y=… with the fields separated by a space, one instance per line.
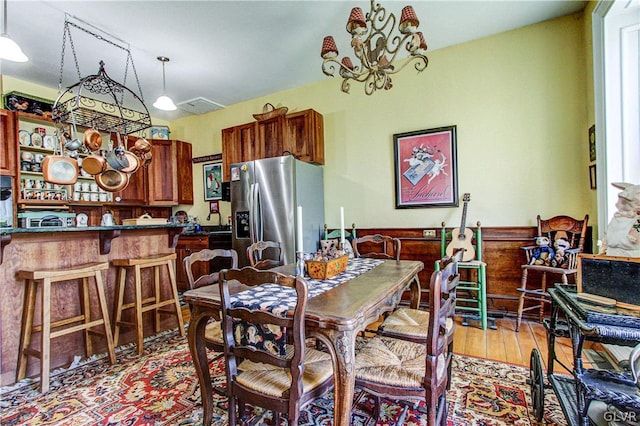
x=504 y=344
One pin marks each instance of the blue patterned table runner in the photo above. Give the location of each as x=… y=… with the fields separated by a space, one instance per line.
x=279 y=300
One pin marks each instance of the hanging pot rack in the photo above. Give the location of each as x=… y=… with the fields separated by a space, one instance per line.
x=97 y=101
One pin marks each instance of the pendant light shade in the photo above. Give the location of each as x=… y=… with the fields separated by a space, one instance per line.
x=9 y=49
x=164 y=102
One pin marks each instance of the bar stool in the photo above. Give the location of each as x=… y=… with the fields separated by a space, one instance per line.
x=46 y=329
x=153 y=303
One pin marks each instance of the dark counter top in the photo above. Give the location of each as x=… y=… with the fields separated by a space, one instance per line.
x=207 y=231
x=88 y=228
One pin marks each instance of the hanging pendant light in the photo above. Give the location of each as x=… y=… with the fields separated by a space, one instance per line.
x=9 y=49
x=164 y=102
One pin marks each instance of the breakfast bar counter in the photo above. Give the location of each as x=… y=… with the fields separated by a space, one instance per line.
x=63 y=248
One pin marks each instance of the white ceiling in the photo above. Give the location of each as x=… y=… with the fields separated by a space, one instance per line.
x=229 y=51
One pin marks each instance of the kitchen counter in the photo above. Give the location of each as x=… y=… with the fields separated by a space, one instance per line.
x=64 y=248
x=105 y=233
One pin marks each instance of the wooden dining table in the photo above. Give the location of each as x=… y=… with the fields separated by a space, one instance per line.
x=334 y=317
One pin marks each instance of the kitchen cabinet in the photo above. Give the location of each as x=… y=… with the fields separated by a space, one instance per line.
x=305 y=136
x=300 y=134
x=166 y=181
x=185 y=172
x=162 y=174
x=186 y=245
x=239 y=144
x=8 y=156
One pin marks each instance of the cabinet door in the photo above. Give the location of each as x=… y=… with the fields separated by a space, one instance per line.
x=239 y=144
x=161 y=173
x=271 y=135
x=305 y=136
x=8 y=143
x=185 y=173
x=187 y=245
x=136 y=190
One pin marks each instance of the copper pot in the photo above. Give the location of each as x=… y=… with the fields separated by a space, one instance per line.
x=142 y=145
x=134 y=163
x=112 y=180
x=94 y=164
x=92 y=139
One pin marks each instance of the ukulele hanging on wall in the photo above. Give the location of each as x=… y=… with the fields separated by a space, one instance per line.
x=461 y=237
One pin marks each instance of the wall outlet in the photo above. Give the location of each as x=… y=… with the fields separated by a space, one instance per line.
x=428 y=233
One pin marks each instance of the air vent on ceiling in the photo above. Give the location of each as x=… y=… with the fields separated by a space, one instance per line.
x=199 y=106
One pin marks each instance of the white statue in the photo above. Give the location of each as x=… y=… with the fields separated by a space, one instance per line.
x=623 y=233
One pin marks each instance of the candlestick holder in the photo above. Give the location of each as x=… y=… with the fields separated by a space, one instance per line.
x=346 y=248
x=300 y=264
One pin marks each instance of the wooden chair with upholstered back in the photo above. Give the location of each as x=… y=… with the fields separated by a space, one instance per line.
x=265 y=254
x=388 y=368
x=554 y=229
x=282 y=382
x=377 y=246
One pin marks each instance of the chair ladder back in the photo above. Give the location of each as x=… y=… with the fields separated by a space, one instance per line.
x=265 y=254
x=574 y=230
x=207 y=255
x=445 y=237
x=389 y=247
x=442 y=301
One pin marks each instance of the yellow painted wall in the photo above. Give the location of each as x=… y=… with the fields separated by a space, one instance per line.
x=518 y=100
x=521 y=106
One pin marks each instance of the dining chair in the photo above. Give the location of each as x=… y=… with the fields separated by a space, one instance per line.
x=377 y=246
x=558 y=228
x=265 y=254
x=281 y=382
x=413 y=324
x=401 y=370
x=228 y=258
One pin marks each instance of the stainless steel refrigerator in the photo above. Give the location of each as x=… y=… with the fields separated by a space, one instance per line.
x=264 y=198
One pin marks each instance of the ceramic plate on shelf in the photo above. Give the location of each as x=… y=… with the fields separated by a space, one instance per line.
x=24 y=138
x=50 y=142
x=36 y=139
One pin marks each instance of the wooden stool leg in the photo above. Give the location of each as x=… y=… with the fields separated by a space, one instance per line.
x=27 y=326
x=105 y=317
x=521 y=300
x=85 y=311
x=156 y=294
x=174 y=291
x=120 y=285
x=45 y=335
x=138 y=309
x=544 y=290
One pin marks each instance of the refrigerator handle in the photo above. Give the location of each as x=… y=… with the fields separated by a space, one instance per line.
x=255 y=213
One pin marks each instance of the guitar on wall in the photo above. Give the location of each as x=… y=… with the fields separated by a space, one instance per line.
x=461 y=237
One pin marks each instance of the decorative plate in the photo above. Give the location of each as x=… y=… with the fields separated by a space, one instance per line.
x=24 y=137
x=50 y=142
x=36 y=139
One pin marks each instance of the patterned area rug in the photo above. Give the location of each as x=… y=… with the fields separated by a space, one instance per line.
x=160 y=388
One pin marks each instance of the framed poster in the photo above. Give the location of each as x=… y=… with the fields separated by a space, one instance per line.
x=592 y=177
x=426 y=172
x=212 y=174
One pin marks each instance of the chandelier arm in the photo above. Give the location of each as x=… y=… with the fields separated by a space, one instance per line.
x=419 y=66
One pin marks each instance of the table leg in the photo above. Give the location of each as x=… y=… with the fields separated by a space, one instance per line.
x=197 y=347
x=342 y=347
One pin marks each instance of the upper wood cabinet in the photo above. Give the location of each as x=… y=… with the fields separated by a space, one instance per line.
x=163 y=173
x=8 y=143
x=305 y=136
x=166 y=181
x=185 y=172
x=300 y=134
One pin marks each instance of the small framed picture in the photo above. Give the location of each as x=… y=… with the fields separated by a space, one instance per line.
x=214 y=206
x=592 y=143
x=212 y=174
x=592 y=176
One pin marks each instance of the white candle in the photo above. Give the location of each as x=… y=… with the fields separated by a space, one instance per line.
x=300 y=239
x=342 y=226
